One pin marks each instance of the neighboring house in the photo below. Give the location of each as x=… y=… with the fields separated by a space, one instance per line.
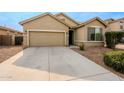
x=60 y=30
x=5 y=31
x=115 y=25
x=109 y=20
x=8 y=31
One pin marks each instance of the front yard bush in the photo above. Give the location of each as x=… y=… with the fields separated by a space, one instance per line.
x=115 y=59
x=82 y=46
x=120 y=35
x=113 y=38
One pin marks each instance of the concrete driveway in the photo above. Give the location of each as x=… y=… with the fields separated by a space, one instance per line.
x=52 y=63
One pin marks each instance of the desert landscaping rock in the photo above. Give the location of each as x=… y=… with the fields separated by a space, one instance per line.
x=8 y=51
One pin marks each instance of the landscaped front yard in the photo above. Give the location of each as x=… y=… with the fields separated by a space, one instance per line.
x=8 y=51
x=96 y=54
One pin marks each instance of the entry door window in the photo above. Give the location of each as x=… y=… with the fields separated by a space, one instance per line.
x=94 y=34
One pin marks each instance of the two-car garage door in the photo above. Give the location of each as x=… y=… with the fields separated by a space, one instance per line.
x=37 y=38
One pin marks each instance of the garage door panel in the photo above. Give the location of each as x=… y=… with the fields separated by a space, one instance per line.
x=47 y=38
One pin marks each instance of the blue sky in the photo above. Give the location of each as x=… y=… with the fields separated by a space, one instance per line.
x=11 y=19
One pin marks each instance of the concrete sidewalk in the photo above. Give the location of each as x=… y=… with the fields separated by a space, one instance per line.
x=53 y=63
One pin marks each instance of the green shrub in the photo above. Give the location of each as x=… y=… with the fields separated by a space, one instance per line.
x=82 y=46
x=119 y=36
x=110 y=39
x=115 y=59
x=113 y=38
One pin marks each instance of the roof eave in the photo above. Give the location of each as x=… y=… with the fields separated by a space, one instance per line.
x=9 y=29
x=87 y=22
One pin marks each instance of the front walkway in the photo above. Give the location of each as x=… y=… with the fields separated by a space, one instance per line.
x=52 y=63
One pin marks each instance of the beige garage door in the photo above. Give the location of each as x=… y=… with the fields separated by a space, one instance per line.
x=46 y=38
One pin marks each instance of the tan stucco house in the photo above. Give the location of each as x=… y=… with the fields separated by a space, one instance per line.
x=61 y=30
x=11 y=32
x=115 y=25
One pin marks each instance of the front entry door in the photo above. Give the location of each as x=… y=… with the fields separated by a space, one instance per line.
x=70 y=37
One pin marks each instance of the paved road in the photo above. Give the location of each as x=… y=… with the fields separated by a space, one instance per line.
x=52 y=63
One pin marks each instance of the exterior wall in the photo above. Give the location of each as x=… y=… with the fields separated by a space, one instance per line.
x=81 y=34
x=25 y=45
x=18 y=34
x=88 y=44
x=5 y=32
x=66 y=20
x=115 y=26
x=13 y=34
x=45 y=23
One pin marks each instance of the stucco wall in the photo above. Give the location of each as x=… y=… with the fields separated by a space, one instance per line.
x=81 y=34
x=115 y=26
x=87 y=44
x=25 y=45
x=5 y=32
x=66 y=20
x=45 y=23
